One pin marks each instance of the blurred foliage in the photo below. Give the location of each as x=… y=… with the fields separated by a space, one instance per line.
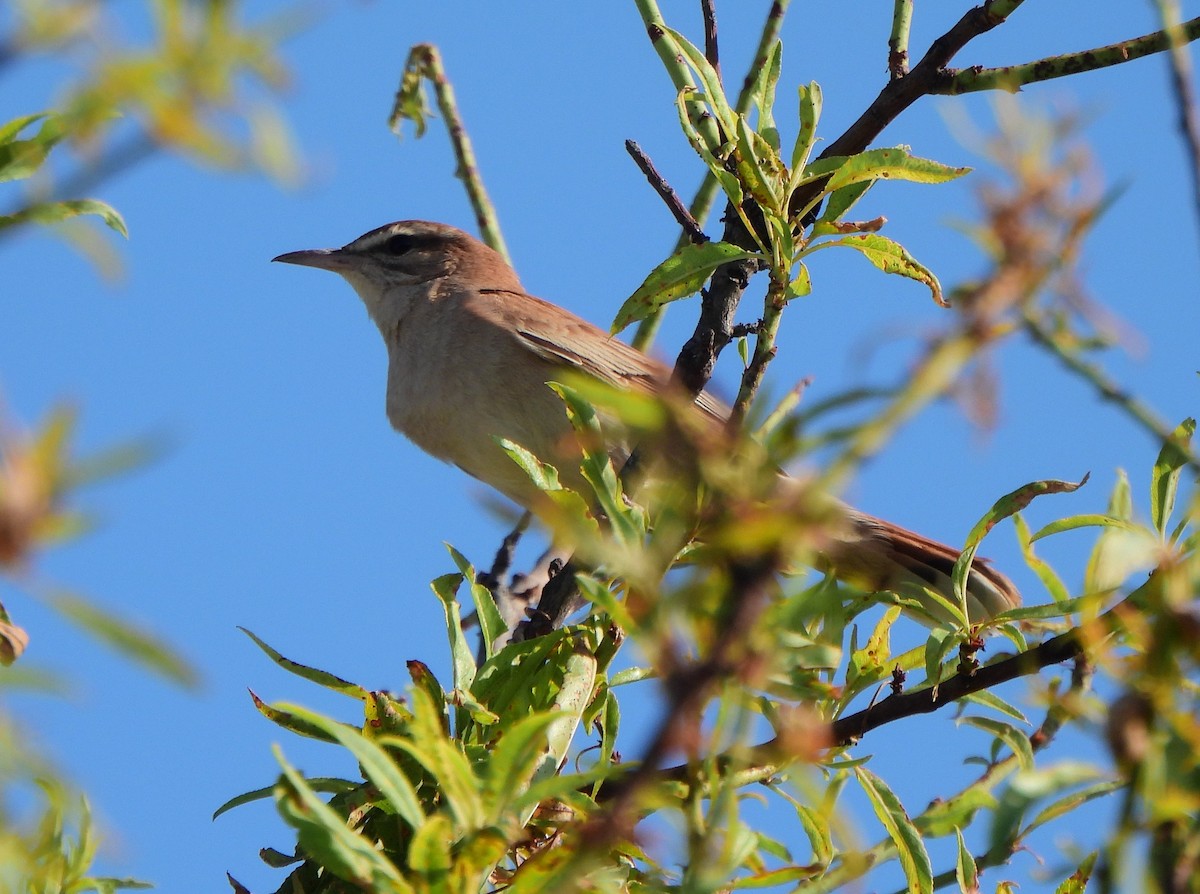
x=160 y=75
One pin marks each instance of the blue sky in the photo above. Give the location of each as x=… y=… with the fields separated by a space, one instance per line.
x=285 y=503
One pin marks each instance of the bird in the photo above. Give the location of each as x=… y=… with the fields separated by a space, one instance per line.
x=470 y=353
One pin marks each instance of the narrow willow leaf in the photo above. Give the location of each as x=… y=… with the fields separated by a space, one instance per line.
x=1008 y=505
x=55 y=212
x=1045 y=572
x=320 y=677
x=429 y=852
x=1071 y=802
x=1164 y=481
x=892 y=257
x=120 y=634
x=1025 y=788
x=446 y=589
x=942 y=818
x=377 y=765
x=328 y=784
x=678 y=276
x=1086 y=520
x=1016 y=740
x=442 y=756
x=729 y=183
x=324 y=836
x=760 y=169
x=597 y=467
x=910 y=849
x=842 y=200
x=965 y=870
x=521 y=752
x=544 y=475
x=942 y=641
x=806 y=137
x=988 y=699
x=763 y=92
x=491 y=624
x=289 y=722
x=578 y=685
x=714 y=92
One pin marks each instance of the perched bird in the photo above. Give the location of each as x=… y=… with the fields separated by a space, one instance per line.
x=469 y=356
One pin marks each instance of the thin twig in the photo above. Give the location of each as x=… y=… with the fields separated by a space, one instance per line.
x=425 y=60
x=711 y=53
x=1107 y=388
x=1185 y=98
x=898 y=42
x=665 y=191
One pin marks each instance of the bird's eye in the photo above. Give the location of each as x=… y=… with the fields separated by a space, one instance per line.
x=400 y=244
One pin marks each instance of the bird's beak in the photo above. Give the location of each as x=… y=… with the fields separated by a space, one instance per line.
x=323 y=258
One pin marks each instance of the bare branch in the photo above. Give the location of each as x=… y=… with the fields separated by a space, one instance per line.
x=665 y=191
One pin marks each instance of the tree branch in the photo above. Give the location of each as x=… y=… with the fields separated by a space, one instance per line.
x=953 y=82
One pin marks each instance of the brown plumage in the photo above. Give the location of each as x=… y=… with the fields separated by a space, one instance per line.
x=469 y=355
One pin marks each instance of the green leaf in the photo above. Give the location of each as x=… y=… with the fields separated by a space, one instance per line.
x=330 y=784
x=806 y=136
x=320 y=677
x=1078 y=880
x=680 y=275
x=1046 y=574
x=1086 y=520
x=943 y=817
x=290 y=722
x=578 y=686
x=684 y=104
x=1017 y=741
x=763 y=92
x=760 y=169
x=543 y=475
x=139 y=645
x=521 y=752
x=1164 y=481
x=988 y=699
x=429 y=851
x=909 y=847
x=431 y=747
x=446 y=588
x=377 y=765
x=714 y=92
x=942 y=641
x=10 y=129
x=1027 y=787
x=55 y=212
x=1008 y=505
x=842 y=200
x=891 y=164
x=892 y=257
x=1069 y=803
x=20 y=159
x=965 y=870
x=491 y=624
x=324 y=836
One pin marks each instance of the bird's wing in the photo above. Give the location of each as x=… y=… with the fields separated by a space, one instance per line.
x=540 y=327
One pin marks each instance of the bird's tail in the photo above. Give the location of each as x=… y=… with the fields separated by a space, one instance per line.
x=877 y=555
